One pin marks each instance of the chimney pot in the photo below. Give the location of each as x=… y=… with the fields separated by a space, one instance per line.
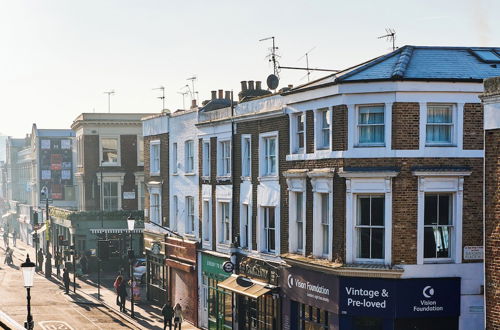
x=250 y=84
x=214 y=95
x=193 y=104
x=258 y=85
x=243 y=86
x=221 y=94
x=228 y=95
x=290 y=86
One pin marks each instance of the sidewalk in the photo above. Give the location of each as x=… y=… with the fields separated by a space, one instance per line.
x=147 y=316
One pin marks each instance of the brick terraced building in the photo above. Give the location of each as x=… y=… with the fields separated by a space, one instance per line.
x=351 y=202
x=491 y=101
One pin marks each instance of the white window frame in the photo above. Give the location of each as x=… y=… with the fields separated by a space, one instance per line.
x=441 y=182
x=140 y=147
x=117 y=177
x=264 y=160
x=246 y=240
x=453 y=130
x=205 y=150
x=118 y=194
x=294 y=138
x=207 y=220
x=319 y=128
x=155 y=191
x=114 y=137
x=358 y=126
x=223 y=160
x=296 y=182
x=322 y=183
x=358 y=226
x=175 y=164
x=365 y=183
x=221 y=237
x=266 y=229
x=246 y=158
x=190 y=223
x=189 y=156
x=154 y=160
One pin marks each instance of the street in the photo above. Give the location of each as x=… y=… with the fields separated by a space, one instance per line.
x=53 y=309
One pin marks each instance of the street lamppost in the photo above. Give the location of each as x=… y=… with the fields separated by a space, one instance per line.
x=28 y=274
x=131 y=224
x=72 y=231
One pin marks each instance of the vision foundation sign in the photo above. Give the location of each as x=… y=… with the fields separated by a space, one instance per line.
x=311 y=288
x=412 y=298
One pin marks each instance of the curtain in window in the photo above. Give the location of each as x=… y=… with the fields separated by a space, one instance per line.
x=439 y=123
x=371 y=125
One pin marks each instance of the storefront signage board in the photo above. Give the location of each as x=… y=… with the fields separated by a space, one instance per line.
x=259 y=270
x=213 y=265
x=400 y=298
x=311 y=288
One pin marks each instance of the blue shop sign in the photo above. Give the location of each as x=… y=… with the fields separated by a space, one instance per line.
x=367 y=297
x=428 y=297
x=399 y=298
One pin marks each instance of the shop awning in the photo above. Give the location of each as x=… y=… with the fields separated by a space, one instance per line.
x=41 y=229
x=116 y=231
x=245 y=286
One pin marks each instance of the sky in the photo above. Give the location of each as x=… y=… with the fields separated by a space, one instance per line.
x=58 y=57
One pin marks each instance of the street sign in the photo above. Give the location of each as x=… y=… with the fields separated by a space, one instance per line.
x=228 y=267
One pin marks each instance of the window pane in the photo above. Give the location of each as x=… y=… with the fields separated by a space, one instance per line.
x=324 y=209
x=445 y=210
x=438 y=133
x=371 y=115
x=439 y=114
x=364 y=211
x=377 y=243
x=378 y=211
x=109 y=150
x=326 y=239
x=371 y=134
x=300 y=236
x=437 y=242
x=364 y=243
x=430 y=210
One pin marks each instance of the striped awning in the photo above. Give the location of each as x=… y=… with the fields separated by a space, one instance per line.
x=116 y=231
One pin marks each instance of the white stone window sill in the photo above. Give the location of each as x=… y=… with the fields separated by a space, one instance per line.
x=205 y=177
x=176 y=173
x=189 y=174
x=224 y=178
x=110 y=164
x=154 y=174
x=430 y=145
x=268 y=178
x=190 y=237
x=375 y=145
x=246 y=178
x=439 y=261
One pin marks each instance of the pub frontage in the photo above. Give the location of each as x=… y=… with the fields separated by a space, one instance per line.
x=156 y=278
x=256 y=297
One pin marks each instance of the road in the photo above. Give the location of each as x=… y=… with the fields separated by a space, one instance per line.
x=51 y=308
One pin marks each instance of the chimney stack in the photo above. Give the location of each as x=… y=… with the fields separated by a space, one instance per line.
x=193 y=104
x=214 y=95
x=228 y=95
x=243 y=86
x=290 y=86
x=258 y=85
x=250 y=85
x=221 y=94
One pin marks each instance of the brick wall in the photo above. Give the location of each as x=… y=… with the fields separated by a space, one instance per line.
x=405 y=125
x=309 y=131
x=473 y=126
x=339 y=128
x=492 y=228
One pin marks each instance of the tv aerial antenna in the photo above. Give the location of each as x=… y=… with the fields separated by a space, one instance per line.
x=273 y=79
x=390 y=35
x=193 y=91
x=111 y=92
x=162 y=97
x=306 y=55
x=183 y=98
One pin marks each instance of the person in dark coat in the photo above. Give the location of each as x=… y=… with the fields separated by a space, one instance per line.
x=40 y=259
x=66 y=280
x=84 y=263
x=168 y=313
x=58 y=261
x=14 y=238
x=122 y=294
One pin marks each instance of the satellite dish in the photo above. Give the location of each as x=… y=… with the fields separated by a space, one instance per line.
x=272 y=81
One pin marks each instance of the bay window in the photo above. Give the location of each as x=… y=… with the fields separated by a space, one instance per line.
x=440 y=126
x=323 y=120
x=371 y=128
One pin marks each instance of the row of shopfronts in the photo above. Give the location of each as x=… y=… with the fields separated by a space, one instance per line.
x=260 y=294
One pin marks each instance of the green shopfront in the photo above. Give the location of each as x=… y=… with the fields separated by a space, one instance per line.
x=217 y=303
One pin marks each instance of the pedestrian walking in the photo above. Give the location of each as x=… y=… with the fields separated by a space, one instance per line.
x=116 y=285
x=177 y=316
x=40 y=259
x=122 y=294
x=66 y=280
x=84 y=263
x=58 y=261
x=14 y=237
x=6 y=237
x=168 y=313
x=8 y=256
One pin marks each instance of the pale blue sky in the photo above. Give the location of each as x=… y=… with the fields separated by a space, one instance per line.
x=58 y=57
